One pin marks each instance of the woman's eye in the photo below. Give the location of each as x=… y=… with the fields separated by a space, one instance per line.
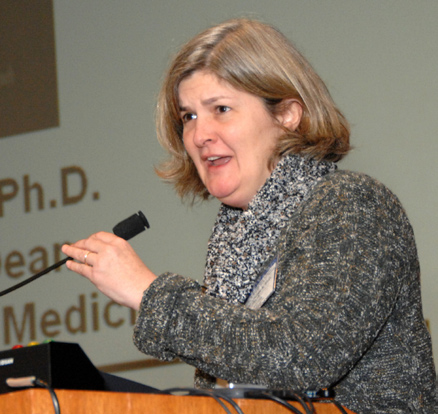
x=223 y=108
x=188 y=117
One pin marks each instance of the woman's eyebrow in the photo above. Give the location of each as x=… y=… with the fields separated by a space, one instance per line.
x=207 y=101
x=213 y=99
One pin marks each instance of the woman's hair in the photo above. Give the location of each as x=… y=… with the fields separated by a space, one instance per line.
x=256 y=58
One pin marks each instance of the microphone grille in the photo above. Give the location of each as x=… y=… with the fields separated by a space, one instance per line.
x=131 y=226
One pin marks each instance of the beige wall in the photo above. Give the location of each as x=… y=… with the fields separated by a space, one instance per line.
x=379 y=60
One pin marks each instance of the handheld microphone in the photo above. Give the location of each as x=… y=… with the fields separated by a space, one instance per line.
x=126 y=229
x=131 y=226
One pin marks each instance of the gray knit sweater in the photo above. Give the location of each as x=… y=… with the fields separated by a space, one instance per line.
x=346 y=312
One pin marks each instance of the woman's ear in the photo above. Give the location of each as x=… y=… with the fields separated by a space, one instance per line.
x=291 y=114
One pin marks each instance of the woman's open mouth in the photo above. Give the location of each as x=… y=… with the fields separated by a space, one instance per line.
x=217 y=161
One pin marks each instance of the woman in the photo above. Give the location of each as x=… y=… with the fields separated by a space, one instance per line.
x=245 y=119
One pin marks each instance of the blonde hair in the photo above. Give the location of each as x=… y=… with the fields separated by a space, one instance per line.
x=256 y=58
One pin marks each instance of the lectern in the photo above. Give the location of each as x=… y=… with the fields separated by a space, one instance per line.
x=80 y=388
x=37 y=401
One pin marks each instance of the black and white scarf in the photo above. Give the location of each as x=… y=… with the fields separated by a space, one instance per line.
x=242 y=240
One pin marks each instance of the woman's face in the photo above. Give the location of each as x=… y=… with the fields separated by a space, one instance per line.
x=229 y=135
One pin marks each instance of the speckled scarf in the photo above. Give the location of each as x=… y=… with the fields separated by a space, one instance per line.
x=242 y=240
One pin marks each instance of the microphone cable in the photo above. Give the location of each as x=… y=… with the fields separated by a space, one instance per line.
x=34 y=277
x=207 y=393
x=35 y=382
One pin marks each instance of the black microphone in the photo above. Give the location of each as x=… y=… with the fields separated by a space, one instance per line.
x=126 y=229
x=131 y=226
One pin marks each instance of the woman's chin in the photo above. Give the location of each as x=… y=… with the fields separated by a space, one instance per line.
x=233 y=199
x=224 y=195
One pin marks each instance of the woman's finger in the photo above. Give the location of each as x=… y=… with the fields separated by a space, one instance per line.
x=89 y=258
x=75 y=252
x=80 y=268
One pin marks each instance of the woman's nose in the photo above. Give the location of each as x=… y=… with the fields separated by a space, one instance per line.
x=203 y=132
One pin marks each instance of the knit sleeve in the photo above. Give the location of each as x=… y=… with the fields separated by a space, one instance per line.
x=340 y=268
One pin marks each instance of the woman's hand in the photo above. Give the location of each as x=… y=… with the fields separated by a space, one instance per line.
x=112 y=265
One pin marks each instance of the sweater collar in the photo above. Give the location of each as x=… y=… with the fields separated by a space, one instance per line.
x=242 y=240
